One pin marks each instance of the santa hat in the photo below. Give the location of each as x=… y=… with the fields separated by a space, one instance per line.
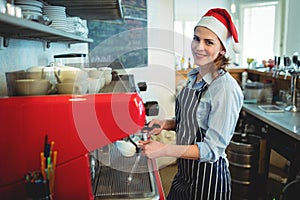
x=219 y=21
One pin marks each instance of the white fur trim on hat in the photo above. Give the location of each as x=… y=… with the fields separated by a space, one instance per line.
x=218 y=28
x=219 y=21
x=236 y=47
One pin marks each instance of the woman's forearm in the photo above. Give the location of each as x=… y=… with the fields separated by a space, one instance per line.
x=170 y=124
x=155 y=149
x=183 y=151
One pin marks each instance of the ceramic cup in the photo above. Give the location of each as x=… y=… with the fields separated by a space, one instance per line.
x=94 y=85
x=72 y=87
x=126 y=148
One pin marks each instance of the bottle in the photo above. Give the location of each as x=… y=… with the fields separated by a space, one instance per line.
x=3 y=6
x=244 y=79
x=182 y=63
x=268 y=92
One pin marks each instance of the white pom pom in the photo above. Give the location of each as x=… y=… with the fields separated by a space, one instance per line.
x=236 y=47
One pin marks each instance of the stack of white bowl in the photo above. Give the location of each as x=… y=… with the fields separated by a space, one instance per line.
x=106 y=71
x=42 y=80
x=98 y=78
x=75 y=25
x=72 y=80
x=34 y=82
x=29 y=87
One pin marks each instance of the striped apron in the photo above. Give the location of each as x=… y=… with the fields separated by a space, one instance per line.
x=194 y=179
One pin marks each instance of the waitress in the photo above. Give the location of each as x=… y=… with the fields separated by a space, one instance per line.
x=207 y=110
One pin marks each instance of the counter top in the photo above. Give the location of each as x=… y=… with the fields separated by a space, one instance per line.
x=287 y=122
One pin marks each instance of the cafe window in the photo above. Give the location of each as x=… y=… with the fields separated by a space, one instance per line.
x=183 y=35
x=259 y=35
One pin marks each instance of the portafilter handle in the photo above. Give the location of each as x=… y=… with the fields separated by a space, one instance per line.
x=137 y=148
x=146 y=130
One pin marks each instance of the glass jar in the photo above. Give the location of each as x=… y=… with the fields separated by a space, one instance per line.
x=268 y=93
x=73 y=60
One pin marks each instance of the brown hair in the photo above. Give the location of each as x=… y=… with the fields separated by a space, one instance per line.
x=222 y=62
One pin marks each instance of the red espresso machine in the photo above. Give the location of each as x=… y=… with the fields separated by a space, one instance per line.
x=82 y=126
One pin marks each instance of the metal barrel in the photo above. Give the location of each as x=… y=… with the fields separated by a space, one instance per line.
x=243 y=156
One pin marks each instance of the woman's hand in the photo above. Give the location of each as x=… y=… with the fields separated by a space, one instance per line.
x=153 y=149
x=156 y=130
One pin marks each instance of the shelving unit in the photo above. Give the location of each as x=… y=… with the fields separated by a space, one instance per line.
x=18 y=28
x=92 y=9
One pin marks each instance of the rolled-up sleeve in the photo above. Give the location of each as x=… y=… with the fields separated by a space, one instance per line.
x=217 y=116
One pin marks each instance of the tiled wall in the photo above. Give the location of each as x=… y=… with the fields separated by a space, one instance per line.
x=22 y=54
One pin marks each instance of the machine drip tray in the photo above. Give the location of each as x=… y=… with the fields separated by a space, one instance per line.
x=117 y=182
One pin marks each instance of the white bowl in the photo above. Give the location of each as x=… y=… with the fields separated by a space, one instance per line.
x=29 y=87
x=94 y=85
x=127 y=149
x=73 y=73
x=105 y=69
x=35 y=69
x=102 y=80
x=96 y=73
x=35 y=72
x=108 y=78
x=77 y=76
x=72 y=87
x=106 y=73
x=35 y=75
x=69 y=68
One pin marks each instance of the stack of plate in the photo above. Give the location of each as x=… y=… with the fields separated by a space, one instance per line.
x=75 y=25
x=57 y=14
x=30 y=7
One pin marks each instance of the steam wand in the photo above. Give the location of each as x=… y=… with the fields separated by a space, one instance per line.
x=144 y=131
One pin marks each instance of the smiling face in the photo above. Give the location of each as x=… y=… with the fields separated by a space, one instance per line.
x=206 y=46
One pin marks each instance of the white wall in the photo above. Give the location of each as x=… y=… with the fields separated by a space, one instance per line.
x=193 y=10
x=160 y=74
x=292 y=40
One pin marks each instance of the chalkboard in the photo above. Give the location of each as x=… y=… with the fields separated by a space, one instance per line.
x=124 y=40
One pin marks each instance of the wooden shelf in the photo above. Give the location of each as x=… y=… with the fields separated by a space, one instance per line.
x=236 y=73
x=268 y=74
x=18 y=28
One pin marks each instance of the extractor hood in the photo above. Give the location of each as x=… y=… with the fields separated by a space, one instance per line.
x=92 y=9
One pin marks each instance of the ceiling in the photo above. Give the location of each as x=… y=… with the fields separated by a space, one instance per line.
x=92 y=9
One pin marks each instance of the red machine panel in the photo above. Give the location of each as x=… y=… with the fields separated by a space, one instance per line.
x=77 y=124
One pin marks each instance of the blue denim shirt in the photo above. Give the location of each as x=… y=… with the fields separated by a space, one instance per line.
x=217 y=113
